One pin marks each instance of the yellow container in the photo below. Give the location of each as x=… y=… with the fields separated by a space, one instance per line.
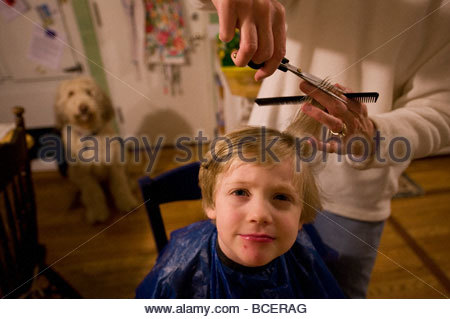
x=241 y=81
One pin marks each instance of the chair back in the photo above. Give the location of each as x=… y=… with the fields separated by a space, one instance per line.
x=18 y=226
x=22 y=257
x=178 y=184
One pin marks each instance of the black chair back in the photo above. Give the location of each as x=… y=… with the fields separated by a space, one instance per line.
x=178 y=184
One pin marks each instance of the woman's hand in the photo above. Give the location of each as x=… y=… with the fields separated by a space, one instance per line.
x=348 y=123
x=263 y=32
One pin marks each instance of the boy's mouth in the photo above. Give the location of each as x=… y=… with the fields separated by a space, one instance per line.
x=262 y=238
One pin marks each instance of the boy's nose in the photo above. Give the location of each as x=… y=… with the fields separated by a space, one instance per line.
x=260 y=212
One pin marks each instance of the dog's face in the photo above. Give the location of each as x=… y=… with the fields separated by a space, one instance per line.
x=81 y=102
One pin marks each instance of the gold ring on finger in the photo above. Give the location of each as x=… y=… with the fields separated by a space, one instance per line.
x=342 y=133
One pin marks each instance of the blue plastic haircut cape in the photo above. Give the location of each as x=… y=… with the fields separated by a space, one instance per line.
x=192 y=266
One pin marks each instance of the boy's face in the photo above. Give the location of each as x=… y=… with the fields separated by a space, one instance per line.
x=257 y=212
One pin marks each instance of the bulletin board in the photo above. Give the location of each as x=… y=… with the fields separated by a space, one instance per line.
x=35 y=44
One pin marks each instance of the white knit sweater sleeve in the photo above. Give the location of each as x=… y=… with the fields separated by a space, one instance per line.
x=419 y=124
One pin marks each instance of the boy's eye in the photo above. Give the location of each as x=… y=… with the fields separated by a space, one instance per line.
x=70 y=93
x=240 y=192
x=282 y=197
x=88 y=92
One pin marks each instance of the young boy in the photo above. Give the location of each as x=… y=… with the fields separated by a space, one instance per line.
x=257 y=198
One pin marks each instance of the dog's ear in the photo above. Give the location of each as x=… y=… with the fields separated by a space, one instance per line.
x=60 y=120
x=60 y=117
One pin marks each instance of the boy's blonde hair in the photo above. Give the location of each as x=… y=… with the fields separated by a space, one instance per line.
x=261 y=146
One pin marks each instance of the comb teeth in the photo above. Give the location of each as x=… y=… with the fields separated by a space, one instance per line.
x=362 y=97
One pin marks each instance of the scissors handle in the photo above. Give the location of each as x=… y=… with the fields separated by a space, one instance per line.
x=281 y=67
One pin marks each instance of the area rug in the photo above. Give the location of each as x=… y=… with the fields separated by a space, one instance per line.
x=408 y=187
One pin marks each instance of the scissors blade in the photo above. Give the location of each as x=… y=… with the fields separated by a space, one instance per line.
x=314 y=80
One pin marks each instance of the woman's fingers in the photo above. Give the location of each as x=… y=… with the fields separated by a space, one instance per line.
x=227 y=19
x=333 y=106
x=248 y=44
x=357 y=108
x=263 y=25
x=343 y=120
x=279 y=44
x=262 y=28
x=333 y=123
x=331 y=146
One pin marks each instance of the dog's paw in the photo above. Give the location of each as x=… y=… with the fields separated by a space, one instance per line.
x=127 y=204
x=96 y=216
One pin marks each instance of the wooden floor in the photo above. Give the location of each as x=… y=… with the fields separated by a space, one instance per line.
x=414 y=258
x=109 y=260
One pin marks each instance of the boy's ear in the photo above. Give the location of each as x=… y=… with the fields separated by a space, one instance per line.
x=300 y=225
x=210 y=212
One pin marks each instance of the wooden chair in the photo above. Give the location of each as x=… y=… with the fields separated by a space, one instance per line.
x=22 y=258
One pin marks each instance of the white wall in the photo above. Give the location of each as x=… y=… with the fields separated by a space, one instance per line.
x=25 y=82
x=145 y=108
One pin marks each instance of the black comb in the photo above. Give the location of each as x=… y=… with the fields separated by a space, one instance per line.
x=363 y=97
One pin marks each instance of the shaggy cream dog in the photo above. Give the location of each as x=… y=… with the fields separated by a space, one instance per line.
x=94 y=154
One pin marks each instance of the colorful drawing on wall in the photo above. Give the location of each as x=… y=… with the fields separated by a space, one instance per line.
x=164 y=28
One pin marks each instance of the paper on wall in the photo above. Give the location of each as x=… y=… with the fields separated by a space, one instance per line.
x=46 y=48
